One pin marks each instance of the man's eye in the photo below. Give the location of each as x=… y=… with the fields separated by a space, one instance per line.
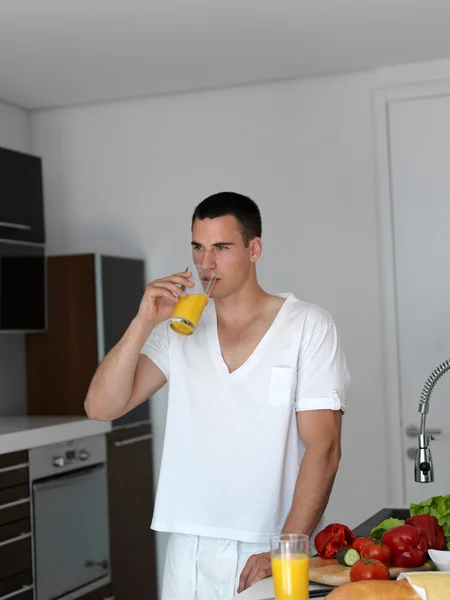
x=221 y=247
x=197 y=248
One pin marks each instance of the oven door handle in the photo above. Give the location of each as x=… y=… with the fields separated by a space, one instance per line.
x=66 y=479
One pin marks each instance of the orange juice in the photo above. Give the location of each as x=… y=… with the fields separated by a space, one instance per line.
x=290 y=577
x=187 y=313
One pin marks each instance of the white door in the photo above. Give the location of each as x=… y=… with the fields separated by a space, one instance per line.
x=419 y=134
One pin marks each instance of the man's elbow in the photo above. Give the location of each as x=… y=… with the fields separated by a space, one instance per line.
x=93 y=412
x=334 y=456
x=329 y=454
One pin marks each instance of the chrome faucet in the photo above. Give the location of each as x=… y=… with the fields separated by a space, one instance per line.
x=423 y=463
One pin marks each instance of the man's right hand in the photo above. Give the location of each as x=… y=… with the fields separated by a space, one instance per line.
x=159 y=300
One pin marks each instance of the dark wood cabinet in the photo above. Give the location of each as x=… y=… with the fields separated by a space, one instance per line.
x=130 y=487
x=21 y=584
x=21 y=193
x=62 y=361
x=91 y=301
x=15 y=527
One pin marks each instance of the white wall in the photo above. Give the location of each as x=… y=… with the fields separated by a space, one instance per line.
x=15 y=135
x=124 y=178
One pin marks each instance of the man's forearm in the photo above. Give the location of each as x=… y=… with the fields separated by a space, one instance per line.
x=312 y=490
x=112 y=384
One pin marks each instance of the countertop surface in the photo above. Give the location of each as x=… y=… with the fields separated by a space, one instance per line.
x=263 y=590
x=23 y=433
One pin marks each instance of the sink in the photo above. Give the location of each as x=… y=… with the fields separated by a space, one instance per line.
x=364 y=529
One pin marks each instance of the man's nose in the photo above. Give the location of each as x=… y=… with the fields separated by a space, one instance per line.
x=209 y=261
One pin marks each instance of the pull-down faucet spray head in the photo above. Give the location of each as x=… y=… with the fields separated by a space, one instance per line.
x=423 y=463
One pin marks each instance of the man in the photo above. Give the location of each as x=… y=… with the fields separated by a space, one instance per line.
x=256 y=396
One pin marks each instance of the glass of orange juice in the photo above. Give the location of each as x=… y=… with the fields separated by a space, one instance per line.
x=290 y=562
x=188 y=311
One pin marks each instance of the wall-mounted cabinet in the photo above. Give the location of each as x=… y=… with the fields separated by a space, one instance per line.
x=21 y=197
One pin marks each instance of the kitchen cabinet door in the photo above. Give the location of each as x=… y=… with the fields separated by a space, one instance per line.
x=21 y=205
x=130 y=490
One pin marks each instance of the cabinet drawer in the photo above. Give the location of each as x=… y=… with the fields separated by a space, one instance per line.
x=13 y=475
x=14 y=504
x=104 y=593
x=23 y=581
x=14 y=530
x=13 y=469
x=13 y=458
x=13 y=494
x=14 y=511
x=23 y=593
x=15 y=558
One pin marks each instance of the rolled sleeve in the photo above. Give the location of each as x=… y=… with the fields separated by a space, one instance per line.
x=157 y=348
x=323 y=374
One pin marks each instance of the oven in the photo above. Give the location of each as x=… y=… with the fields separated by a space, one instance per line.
x=70 y=518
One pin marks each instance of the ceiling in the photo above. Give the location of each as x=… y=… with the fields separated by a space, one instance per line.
x=62 y=52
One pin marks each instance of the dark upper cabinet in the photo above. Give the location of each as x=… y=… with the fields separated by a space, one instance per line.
x=22 y=287
x=21 y=197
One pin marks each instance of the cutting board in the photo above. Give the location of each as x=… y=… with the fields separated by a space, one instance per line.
x=330 y=572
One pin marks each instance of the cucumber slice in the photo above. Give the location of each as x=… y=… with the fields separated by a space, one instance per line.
x=347 y=556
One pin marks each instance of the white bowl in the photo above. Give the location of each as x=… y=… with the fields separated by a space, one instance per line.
x=441 y=559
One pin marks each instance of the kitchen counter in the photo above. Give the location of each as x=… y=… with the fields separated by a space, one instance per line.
x=263 y=590
x=23 y=433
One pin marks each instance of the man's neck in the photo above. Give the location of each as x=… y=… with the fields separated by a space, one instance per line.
x=243 y=305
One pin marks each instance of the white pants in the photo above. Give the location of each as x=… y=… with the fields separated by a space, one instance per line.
x=202 y=568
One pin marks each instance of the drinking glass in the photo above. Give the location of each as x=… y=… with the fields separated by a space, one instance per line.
x=290 y=566
x=188 y=311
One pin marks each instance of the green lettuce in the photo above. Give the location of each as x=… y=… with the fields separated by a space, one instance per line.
x=439 y=507
x=378 y=531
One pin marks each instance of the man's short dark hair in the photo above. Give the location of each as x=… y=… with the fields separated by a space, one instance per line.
x=243 y=208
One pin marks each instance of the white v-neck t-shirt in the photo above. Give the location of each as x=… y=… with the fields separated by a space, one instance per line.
x=232 y=449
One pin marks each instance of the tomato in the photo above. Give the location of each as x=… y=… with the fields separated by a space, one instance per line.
x=367 y=568
x=360 y=542
x=377 y=552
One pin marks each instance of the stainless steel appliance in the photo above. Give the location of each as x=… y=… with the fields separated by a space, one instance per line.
x=70 y=517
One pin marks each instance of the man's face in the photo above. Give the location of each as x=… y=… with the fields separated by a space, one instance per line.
x=217 y=244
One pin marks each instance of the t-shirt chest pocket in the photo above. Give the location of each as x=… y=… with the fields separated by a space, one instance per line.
x=282 y=386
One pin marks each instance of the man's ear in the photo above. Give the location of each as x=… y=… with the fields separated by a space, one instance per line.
x=255 y=247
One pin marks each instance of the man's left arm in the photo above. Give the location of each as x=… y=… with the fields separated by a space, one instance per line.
x=320 y=432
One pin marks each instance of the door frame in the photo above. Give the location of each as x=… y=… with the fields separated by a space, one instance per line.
x=381 y=101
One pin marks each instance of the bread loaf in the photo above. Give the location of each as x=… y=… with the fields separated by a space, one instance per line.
x=374 y=590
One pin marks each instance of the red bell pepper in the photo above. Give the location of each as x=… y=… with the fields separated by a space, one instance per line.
x=409 y=548
x=430 y=530
x=335 y=536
